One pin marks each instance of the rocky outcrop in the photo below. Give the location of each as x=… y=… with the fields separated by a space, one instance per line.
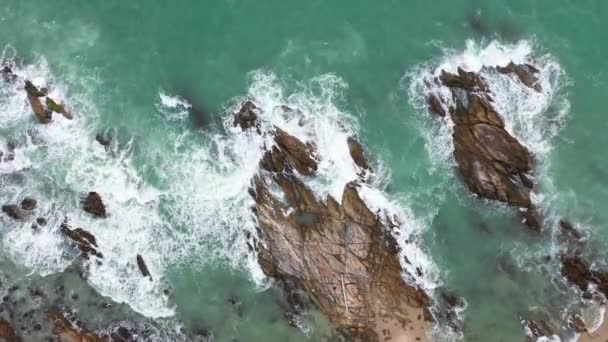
x=578 y=272
x=246 y=116
x=93 y=204
x=337 y=251
x=526 y=73
x=82 y=239
x=491 y=162
x=357 y=152
x=29 y=204
x=44 y=115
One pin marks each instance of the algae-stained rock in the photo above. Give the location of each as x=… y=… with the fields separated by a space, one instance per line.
x=93 y=204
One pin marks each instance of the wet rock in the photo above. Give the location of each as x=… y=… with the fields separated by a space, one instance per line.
x=29 y=204
x=41 y=221
x=578 y=272
x=246 y=116
x=299 y=155
x=94 y=205
x=357 y=153
x=568 y=229
x=537 y=329
x=525 y=73
x=14 y=211
x=58 y=108
x=83 y=240
x=142 y=267
x=7 y=332
x=467 y=80
x=103 y=140
x=491 y=162
x=435 y=106
x=577 y=324
x=121 y=334
x=33 y=95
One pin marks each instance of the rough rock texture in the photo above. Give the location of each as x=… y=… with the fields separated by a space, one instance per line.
x=525 y=73
x=491 y=162
x=94 y=205
x=83 y=240
x=537 y=329
x=338 y=252
x=246 y=116
x=578 y=272
x=64 y=331
x=7 y=332
x=357 y=152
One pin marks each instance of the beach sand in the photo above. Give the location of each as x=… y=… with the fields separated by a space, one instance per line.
x=600 y=335
x=414 y=330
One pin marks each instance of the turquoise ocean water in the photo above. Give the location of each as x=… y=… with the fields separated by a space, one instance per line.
x=178 y=192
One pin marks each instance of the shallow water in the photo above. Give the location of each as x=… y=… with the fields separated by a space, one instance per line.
x=176 y=183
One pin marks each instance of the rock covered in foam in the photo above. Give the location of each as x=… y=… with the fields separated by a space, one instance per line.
x=93 y=204
x=578 y=272
x=83 y=240
x=536 y=329
x=491 y=162
x=338 y=252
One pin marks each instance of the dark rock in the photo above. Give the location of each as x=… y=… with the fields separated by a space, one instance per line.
x=33 y=95
x=103 y=140
x=84 y=240
x=41 y=221
x=142 y=267
x=466 y=80
x=578 y=272
x=14 y=212
x=525 y=73
x=357 y=153
x=28 y=204
x=246 y=116
x=94 y=205
x=121 y=334
x=435 y=106
x=567 y=228
x=66 y=332
x=33 y=91
x=533 y=219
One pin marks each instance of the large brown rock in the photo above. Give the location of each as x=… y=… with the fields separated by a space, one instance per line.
x=491 y=162
x=338 y=252
x=33 y=95
x=525 y=73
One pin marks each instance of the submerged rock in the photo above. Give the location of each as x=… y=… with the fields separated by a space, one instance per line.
x=94 y=205
x=537 y=329
x=337 y=252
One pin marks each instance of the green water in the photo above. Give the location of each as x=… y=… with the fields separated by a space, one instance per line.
x=121 y=53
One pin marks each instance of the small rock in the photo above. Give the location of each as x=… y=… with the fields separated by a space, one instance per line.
x=103 y=140
x=246 y=116
x=28 y=204
x=142 y=267
x=58 y=108
x=41 y=221
x=14 y=212
x=94 y=205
